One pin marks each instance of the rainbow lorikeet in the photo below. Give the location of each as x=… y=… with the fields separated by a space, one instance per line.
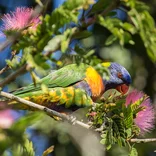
x=74 y=86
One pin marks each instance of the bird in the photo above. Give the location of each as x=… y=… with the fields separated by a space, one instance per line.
x=74 y=86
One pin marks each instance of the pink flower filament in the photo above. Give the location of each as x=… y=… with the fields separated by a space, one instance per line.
x=19 y=19
x=144 y=118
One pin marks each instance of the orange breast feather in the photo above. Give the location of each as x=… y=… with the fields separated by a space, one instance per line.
x=95 y=82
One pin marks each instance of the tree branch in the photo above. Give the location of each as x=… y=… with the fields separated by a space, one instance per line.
x=111 y=7
x=68 y=118
x=4 y=69
x=45 y=109
x=136 y=140
x=7 y=66
x=13 y=75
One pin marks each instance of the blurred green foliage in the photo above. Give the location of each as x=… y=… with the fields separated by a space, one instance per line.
x=15 y=138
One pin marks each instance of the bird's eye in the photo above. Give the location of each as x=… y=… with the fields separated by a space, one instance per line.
x=119 y=75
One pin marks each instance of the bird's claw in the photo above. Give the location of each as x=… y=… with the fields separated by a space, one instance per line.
x=72 y=119
x=101 y=128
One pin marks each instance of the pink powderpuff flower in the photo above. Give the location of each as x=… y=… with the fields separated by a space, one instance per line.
x=19 y=19
x=7 y=118
x=144 y=118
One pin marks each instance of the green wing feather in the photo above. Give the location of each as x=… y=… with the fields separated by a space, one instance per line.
x=63 y=77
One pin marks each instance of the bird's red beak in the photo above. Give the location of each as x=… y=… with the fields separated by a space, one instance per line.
x=123 y=89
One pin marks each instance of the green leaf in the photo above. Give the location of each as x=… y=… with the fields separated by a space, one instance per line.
x=67 y=12
x=110 y=40
x=60 y=41
x=28 y=146
x=38 y=61
x=14 y=63
x=54 y=43
x=128 y=116
x=127 y=37
x=133 y=152
x=129 y=27
x=116 y=27
x=100 y=5
x=23 y=150
x=145 y=26
x=129 y=132
x=105 y=140
x=83 y=34
x=48 y=151
x=79 y=50
x=64 y=45
x=136 y=106
x=43 y=40
x=77 y=4
x=26 y=121
x=119 y=130
x=15 y=135
x=89 y=53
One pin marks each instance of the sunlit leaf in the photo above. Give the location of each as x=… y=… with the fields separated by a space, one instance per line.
x=48 y=151
x=23 y=150
x=110 y=40
x=133 y=152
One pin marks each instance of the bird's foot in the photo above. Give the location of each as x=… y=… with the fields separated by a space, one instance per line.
x=101 y=128
x=72 y=119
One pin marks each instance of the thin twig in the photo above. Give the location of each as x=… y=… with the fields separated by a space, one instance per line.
x=8 y=42
x=136 y=140
x=7 y=66
x=13 y=75
x=111 y=7
x=45 y=109
x=4 y=69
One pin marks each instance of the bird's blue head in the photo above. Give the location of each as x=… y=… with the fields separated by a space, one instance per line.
x=120 y=78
